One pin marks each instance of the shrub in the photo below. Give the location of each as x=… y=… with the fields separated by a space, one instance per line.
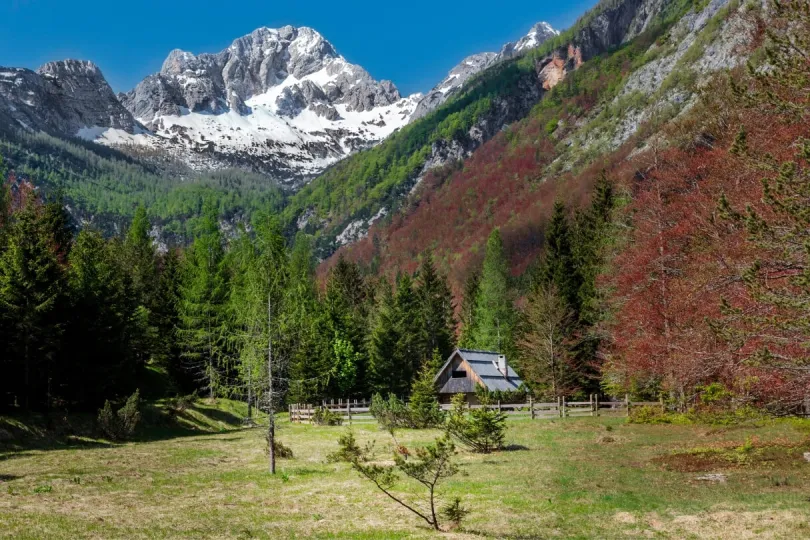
x=179 y=404
x=482 y=430
x=649 y=414
x=121 y=425
x=348 y=450
x=391 y=413
x=326 y=417
x=282 y=451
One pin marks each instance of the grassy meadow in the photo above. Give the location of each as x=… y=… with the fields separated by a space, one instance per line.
x=206 y=477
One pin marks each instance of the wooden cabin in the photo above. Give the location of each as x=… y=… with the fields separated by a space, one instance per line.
x=467 y=369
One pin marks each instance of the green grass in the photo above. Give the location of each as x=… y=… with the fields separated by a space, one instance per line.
x=575 y=478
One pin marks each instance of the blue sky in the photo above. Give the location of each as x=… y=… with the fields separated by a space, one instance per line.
x=412 y=43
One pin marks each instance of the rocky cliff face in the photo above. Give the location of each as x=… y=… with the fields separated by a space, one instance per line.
x=65 y=98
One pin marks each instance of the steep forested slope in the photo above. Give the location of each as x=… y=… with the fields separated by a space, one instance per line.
x=578 y=128
x=340 y=205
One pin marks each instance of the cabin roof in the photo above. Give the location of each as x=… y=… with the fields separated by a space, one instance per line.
x=485 y=365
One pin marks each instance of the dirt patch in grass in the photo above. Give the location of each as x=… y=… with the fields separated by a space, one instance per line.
x=777 y=454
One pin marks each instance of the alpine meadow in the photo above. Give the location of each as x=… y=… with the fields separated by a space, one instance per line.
x=565 y=293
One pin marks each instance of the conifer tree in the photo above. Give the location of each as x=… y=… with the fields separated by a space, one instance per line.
x=310 y=358
x=347 y=311
x=468 y=302
x=383 y=338
x=591 y=235
x=99 y=335
x=141 y=259
x=32 y=304
x=435 y=310
x=558 y=268
x=423 y=405
x=409 y=337
x=494 y=314
x=202 y=299
x=167 y=321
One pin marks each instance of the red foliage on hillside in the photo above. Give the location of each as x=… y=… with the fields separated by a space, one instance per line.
x=683 y=259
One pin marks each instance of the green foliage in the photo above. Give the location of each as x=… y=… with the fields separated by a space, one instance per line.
x=111 y=186
x=281 y=451
x=428 y=466
x=391 y=414
x=346 y=364
x=326 y=417
x=202 y=305
x=423 y=406
x=120 y=425
x=482 y=430
x=348 y=450
x=454 y=512
x=493 y=307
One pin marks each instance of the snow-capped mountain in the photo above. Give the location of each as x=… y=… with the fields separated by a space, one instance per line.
x=538 y=34
x=476 y=63
x=280 y=101
x=61 y=97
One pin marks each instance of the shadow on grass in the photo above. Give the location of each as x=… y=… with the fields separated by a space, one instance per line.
x=514 y=448
x=30 y=432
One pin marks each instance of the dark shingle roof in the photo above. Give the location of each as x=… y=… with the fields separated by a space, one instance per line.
x=485 y=365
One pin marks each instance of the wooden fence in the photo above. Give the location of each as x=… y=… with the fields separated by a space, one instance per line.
x=357 y=411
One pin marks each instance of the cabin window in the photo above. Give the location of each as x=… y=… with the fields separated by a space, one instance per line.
x=459 y=374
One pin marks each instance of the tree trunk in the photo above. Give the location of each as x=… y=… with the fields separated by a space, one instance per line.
x=271 y=412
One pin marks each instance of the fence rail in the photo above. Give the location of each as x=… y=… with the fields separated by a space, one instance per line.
x=358 y=410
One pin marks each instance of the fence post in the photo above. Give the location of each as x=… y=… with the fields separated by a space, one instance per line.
x=499 y=405
x=531 y=406
x=559 y=406
x=564 y=409
x=663 y=407
x=349 y=410
x=627 y=403
x=590 y=398
x=596 y=396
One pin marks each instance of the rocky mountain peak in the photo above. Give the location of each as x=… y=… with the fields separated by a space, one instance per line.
x=62 y=98
x=538 y=34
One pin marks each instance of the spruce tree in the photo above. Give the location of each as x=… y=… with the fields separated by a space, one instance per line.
x=409 y=337
x=346 y=314
x=99 y=335
x=558 y=268
x=202 y=299
x=33 y=305
x=141 y=259
x=382 y=345
x=166 y=319
x=468 y=303
x=435 y=310
x=494 y=314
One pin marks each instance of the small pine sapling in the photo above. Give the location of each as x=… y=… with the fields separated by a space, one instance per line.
x=428 y=466
x=483 y=430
